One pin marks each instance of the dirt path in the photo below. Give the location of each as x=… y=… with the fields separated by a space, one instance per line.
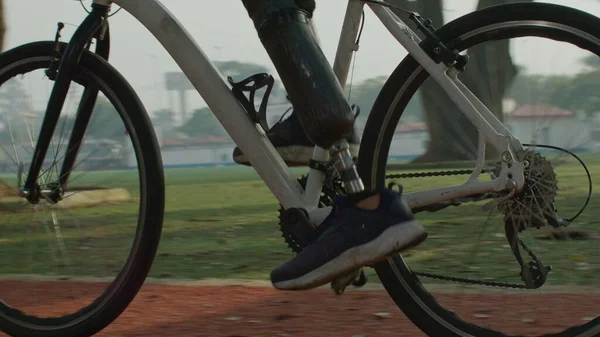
x=256 y=310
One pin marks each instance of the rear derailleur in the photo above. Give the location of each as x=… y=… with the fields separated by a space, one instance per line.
x=533 y=273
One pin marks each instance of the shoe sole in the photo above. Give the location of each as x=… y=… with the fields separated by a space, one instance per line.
x=294 y=155
x=411 y=234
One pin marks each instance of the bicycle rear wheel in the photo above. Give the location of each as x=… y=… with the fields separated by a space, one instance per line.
x=70 y=268
x=431 y=304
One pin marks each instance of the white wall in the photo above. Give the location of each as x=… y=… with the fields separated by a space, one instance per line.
x=195 y=155
x=563 y=132
x=409 y=143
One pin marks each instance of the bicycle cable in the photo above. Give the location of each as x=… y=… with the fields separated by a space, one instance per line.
x=589 y=196
x=87 y=11
x=357 y=42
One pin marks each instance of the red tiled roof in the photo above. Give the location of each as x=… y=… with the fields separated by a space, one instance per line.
x=209 y=140
x=411 y=127
x=538 y=110
x=172 y=142
x=206 y=140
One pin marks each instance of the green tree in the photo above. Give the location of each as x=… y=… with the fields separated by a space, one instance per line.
x=579 y=93
x=202 y=123
x=106 y=121
x=16 y=113
x=2 y=25
x=489 y=74
x=592 y=61
x=365 y=93
x=163 y=117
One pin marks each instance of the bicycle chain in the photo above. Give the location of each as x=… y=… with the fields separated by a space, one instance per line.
x=452 y=278
x=433 y=174
x=480 y=282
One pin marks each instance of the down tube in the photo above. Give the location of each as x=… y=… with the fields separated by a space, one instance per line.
x=216 y=93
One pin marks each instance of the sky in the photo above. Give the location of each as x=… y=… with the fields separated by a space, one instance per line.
x=224 y=31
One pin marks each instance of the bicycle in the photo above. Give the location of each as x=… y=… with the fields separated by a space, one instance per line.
x=303 y=206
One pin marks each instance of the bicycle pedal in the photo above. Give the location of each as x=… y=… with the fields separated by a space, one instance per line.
x=357 y=278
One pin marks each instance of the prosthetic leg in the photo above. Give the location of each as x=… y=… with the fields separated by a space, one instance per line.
x=286 y=33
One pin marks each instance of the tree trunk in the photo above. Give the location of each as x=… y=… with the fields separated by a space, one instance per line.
x=488 y=75
x=5 y=190
x=2 y=25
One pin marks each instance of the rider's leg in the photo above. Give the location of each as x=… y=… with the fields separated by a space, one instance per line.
x=363 y=228
x=292 y=143
x=284 y=30
x=290 y=140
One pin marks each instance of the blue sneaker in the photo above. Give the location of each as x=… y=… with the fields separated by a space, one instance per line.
x=353 y=238
x=290 y=141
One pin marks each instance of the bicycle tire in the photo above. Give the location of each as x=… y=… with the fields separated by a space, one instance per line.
x=119 y=294
x=492 y=23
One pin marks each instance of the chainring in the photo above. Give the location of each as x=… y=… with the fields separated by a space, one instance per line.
x=534 y=204
x=332 y=187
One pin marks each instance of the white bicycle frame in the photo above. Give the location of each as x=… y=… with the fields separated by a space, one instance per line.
x=251 y=139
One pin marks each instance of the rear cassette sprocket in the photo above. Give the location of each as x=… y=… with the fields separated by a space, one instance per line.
x=533 y=206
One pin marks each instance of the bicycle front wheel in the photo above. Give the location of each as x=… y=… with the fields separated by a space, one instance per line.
x=69 y=268
x=427 y=284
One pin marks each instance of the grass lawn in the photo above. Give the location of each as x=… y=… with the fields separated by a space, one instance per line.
x=222 y=223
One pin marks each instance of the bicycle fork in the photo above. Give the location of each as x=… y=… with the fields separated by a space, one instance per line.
x=95 y=25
